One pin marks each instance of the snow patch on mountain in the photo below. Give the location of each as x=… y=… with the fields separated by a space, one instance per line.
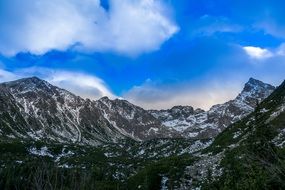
x=198 y=123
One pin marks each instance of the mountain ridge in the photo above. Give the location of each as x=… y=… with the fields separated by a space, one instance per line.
x=53 y=113
x=207 y=124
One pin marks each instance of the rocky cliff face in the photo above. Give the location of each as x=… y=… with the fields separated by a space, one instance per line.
x=199 y=124
x=132 y=120
x=33 y=108
x=39 y=110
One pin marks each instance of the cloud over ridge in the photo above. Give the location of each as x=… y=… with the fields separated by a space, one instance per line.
x=82 y=84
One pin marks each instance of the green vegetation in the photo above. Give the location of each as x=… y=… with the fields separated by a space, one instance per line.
x=150 y=177
x=255 y=161
x=27 y=165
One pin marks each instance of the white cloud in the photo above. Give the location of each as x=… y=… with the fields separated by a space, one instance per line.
x=7 y=76
x=262 y=54
x=272 y=27
x=151 y=95
x=128 y=27
x=81 y=84
x=208 y=25
x=281 y=50
x=257 y=52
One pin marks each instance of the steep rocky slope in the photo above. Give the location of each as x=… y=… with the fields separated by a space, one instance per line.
x=249 y=154
x=33 y=108
x=199 y=124
x=132 y=120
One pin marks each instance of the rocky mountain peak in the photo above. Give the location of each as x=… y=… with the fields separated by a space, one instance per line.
x=118 y=105
x=185 y=108
x=28 y=81
x=54 y=114
x=206 y=124
x=254 y=90
x=32 y=84
x=199 y=110
x=178 y=111
x=131 y=120
x=104 y=99
x=256 y=85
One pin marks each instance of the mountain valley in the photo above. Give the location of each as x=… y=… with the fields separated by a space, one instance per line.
x=53 y=139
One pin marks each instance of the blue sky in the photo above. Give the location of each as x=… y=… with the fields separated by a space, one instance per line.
x=154 y=53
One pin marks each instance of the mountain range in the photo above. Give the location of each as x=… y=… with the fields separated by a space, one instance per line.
x=53 y=139
x=33 y=108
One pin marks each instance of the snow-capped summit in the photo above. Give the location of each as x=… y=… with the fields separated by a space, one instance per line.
x=253 y=91
x=207 y=124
